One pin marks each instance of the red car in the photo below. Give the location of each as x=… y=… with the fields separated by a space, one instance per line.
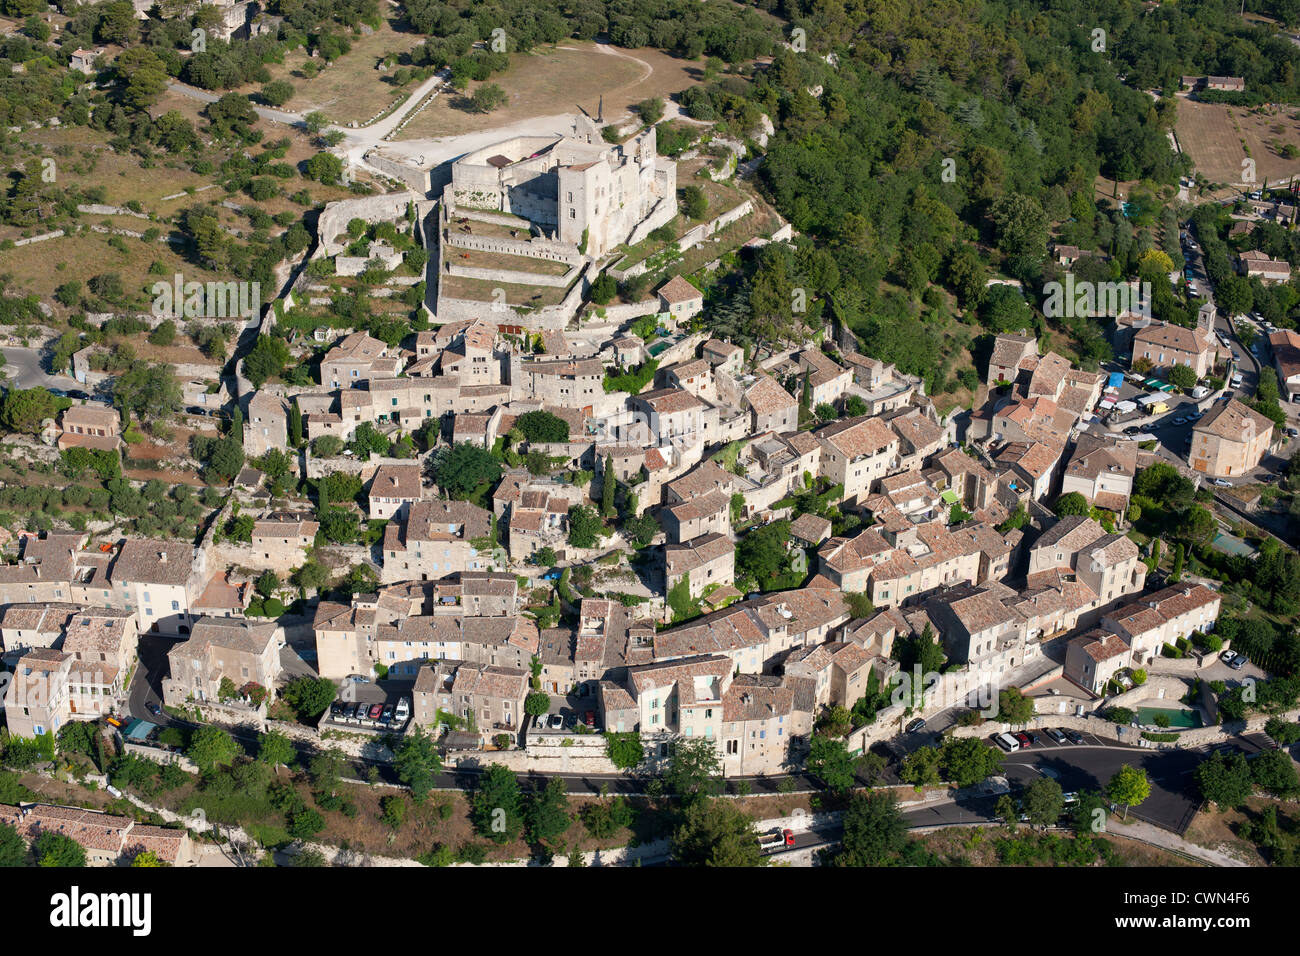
x=789 y=837
x=1024 y=740
x=376 y=711
x=589 y=718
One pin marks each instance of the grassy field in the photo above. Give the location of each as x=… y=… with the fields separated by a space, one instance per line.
x=1220 y=138
x=559 y=80
x=501 y=260
x=480 y=290
x=44 y=266
x=351 y=89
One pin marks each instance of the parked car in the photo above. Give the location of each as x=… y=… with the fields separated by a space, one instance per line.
x=555 y=722
x=353 y=712
x=403 y=709
x=1006 y=742
x=1228 y=656
x=1023 y=739
x=1074 y=736
x=1223 y=482
x=915 y=725
x=1293 y=432
x=387 y=716
x=153 y=708
x=1180 y=421
x=78 y=394
x=1056 y=735
x=1238 y=662
x=358 y=679
x=1268 y=479
x=376 y=711
x=589 y=718
x=336 y=708
x=1033 y=737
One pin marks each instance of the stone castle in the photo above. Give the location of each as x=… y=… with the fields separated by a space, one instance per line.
x=571 y=185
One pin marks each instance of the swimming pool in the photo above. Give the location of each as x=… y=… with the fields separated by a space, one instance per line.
x=1180 y=718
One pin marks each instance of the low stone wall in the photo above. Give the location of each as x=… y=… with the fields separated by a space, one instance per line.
x=335 y=217
x=510 y=276
x=320 y=467
x=618 y=314
x=531 y=248
x=158 y=755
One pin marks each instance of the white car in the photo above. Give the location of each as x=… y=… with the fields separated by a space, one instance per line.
x=1223 y=483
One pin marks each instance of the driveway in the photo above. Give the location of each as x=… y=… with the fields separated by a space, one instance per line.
x=26 y=368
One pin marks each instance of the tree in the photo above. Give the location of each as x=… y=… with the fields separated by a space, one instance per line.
x=266 y=360
x=147 y=858
x=56 y=849
x=537 y=703
x=608 y=485
x=694 y=769
x=23 y=410
x=542 y=426
x=1275 y=772
x=1014 y=707
x=462 y=468
x=547 y=816
x=163 y=334
x=1284 y=732
x=149 y=392
x=267 y=583
x=1071 y=503
x=211 y=747
x=624 y=750
x=277 y=92
x=965 y=761
x=325 y=168
x=921 y=767
x=309 y=696
x=275 y=749
x=13 y=849
x=716 y=833
x=1225 y=780
x=1128 y=786
x=694 y=203
x=585 y=527
x=1183 y=377
x=651 y=111
x=496 y=806
x=1044 y=802
x=1005 y=810
x=829 y=760
x=487 y=98
x=393 y=809
x=874 y=831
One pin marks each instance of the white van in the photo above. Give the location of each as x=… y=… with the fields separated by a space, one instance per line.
x=1236 y=380
x=1007 y=742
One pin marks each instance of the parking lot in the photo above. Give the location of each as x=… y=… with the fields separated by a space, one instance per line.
x=369 y=707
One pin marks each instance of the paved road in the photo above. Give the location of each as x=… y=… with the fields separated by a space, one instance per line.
x=26 y=368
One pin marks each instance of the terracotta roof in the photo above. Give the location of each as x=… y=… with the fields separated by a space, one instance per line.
x=677 y=290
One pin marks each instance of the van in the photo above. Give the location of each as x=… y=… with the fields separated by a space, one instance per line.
x=1200 y=391
x=1236 y=380
x=1006 y=742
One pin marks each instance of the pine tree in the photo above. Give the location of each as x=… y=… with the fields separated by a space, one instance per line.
x=607 y=485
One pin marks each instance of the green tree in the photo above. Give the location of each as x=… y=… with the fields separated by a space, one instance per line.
x=13 y=849
x=874 y=831
x=547 y=816
x=1128 y=786
x=1014 y=707
x=694 y=203
x=829 y=760
x=585 y=527
x=147 y=859
x=487 y=98
x=921 y=767
x=1275 y=772
x=496 y=805
x=694 y=769
x=1183 y=377
x=1225 y=780
x=23 y=410
x=309 y=696
x=624 y=750
x=56 y=849
x=1044 y=802
x=716 y=833
x=211 y=747
x=461 y=468
x=608 y=485
x=537 y=703
x=966 y=761
x=1072 y=503
x=275 y=749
